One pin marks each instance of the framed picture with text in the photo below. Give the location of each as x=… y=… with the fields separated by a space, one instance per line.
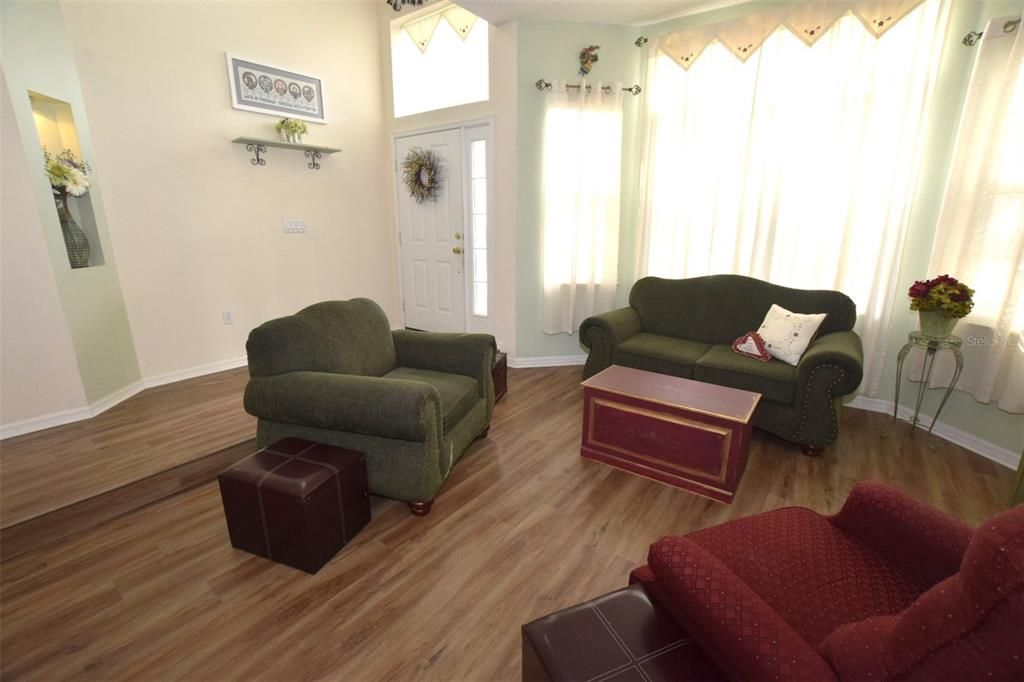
x=275 y=91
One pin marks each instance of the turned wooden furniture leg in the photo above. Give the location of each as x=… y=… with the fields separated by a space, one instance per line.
x=812 y=450
x=420 y=508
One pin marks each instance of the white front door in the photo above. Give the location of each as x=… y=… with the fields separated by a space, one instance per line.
x=431 y=239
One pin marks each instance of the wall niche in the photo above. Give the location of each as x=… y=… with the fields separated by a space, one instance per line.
x=70 y=177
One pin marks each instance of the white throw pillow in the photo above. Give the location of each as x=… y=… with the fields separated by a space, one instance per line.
x=787 y=334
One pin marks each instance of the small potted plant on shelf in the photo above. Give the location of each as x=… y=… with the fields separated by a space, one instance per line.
x=939 y=303
x=291 y=130
x=67 y=175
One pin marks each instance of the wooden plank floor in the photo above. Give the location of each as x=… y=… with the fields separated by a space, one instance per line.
x=75 y=518
x=154 y=431
x=523 y=527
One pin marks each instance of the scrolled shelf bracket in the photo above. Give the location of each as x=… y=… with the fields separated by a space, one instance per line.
x=257 y=149
x=313 y=156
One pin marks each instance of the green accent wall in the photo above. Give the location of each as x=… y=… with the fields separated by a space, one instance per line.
x=38 y=57
x=549 y=50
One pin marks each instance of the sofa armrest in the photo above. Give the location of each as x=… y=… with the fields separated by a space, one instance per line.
x=840 y=352
x=918 y=539
x=455 y=353
x=600 y=334
x=391 y=408
x=618 y=325
x=742 y=634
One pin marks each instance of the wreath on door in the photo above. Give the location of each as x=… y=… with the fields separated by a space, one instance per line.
x=422 y=174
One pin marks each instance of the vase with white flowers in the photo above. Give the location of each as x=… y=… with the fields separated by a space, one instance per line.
x=67 y=174
x=291 y=130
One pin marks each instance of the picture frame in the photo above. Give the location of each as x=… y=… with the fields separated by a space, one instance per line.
x=275 y=91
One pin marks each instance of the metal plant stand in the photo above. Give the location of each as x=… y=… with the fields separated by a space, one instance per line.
x=931 y=346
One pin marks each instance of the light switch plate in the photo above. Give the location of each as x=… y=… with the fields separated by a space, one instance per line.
x=228 y=316
x=294 y=225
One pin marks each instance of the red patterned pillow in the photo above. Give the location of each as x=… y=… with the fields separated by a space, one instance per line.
x=752 y=345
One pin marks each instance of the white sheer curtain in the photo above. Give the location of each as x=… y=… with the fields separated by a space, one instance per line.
x=580 y=195
x=980 y=236
x=797 y=166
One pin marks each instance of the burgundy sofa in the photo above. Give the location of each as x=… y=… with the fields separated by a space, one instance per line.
x=888 y=588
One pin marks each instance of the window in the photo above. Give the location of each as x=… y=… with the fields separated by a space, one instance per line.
x=979 y=238
x=443 y=66
x=797 y=166
x=580 y=196
x=478 y=220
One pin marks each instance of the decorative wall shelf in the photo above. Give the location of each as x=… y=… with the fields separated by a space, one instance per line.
x=259 y=146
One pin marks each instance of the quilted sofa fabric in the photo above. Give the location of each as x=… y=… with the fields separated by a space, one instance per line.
x=957 y=629
x=814 y=577
x=887 y=589
x=686 y=327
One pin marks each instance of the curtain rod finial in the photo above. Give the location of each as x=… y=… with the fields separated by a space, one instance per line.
x=542 y=85
x=640 y=42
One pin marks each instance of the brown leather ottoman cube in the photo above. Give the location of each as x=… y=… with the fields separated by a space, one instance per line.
x=296 y=502
x=500 y=375
x=621 y=636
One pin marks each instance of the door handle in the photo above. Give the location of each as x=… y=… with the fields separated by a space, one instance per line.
x=457 y=250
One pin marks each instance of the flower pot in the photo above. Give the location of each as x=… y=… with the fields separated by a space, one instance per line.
x=935 y=324
x=75 y=241
x=284 y=136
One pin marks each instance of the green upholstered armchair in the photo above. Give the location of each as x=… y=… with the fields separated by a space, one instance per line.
x=686 y=327
x=336 y=373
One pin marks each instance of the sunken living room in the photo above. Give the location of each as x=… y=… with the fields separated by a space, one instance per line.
x=512 y=340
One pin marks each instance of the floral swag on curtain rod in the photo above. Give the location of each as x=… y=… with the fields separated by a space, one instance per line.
x=422 y=30
x=809 y=22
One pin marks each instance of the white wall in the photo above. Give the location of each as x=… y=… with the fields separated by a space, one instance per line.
x=196 y=228
x=38 y=58
x=38 y=370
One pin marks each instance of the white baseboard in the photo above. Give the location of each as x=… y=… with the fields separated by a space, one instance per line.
x=991 y=451
x=119 y=396
x=996 y=453
x=548 y=361
x=48 y=421
x=193 y=372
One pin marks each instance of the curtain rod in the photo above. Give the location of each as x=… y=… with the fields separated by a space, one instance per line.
x=546 y=85
x=972 y=38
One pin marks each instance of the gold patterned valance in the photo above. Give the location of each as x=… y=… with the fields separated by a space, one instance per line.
x=808 y=21
x=422 y=30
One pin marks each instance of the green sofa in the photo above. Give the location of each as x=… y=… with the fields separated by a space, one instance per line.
x=686 y=327
x=336 y=373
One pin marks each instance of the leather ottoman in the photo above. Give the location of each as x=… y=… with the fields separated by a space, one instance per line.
x=620 y=637
x=500 y=375
x=296 y=502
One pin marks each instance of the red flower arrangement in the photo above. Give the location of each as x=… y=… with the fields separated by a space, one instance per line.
x=944 y=294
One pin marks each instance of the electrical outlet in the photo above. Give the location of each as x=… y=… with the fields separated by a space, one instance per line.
x=229 y=316
x=294 y=225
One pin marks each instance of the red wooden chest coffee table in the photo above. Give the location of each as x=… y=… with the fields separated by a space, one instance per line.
x=685 y=433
